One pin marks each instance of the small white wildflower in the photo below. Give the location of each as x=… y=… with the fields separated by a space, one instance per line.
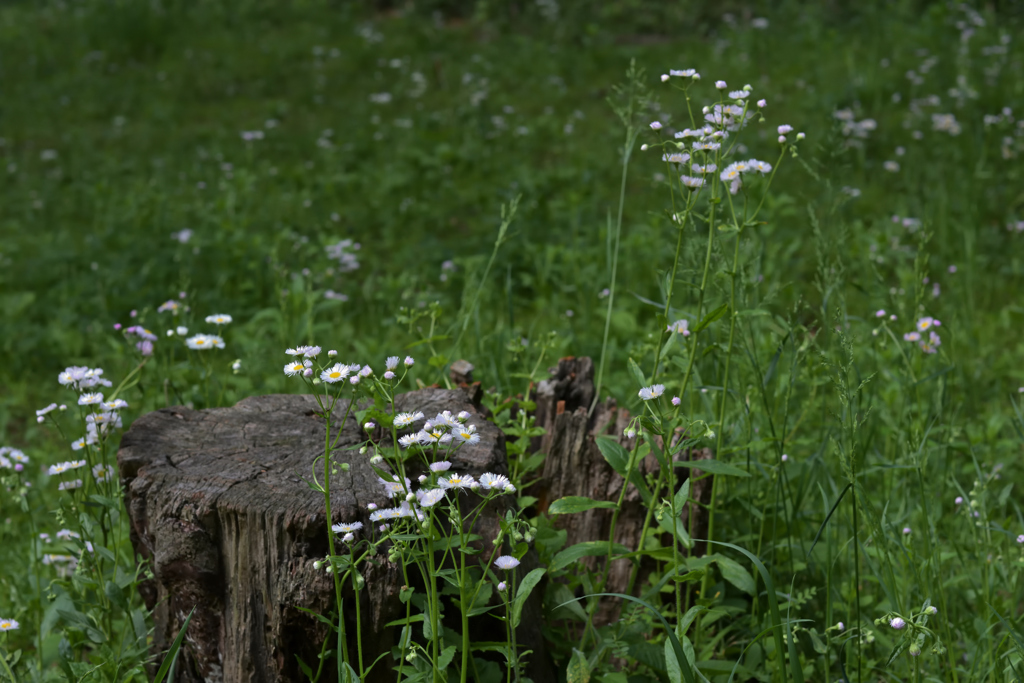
x=457 y=481
x=391 y=363
x=442 y=466
x=346 y=528
x=90 y=399
x=409 y=361
x=219 y=319
x=655 y=125
x=337 y=373
x=506 y=562
x=431 y=497
x=651 y=392
x=294 y=368
x=495 y=482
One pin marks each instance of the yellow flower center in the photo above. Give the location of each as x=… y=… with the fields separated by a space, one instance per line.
x=335 y=375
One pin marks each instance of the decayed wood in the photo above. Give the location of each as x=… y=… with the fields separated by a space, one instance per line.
x=575 y=467
x=219 y=508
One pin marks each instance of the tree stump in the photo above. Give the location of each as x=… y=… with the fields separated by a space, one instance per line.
x=219 y=508
x=575 y=467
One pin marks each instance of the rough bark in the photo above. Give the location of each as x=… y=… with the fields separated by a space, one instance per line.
x=219 y=509
x=575 y=467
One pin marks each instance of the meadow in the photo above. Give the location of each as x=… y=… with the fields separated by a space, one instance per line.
x=822 y=292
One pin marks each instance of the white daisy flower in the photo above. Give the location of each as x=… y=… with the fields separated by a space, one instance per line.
x=294 y=368
x=442 y=466
x=44 y=411
x=447 y=419
x=730 y=173
x=17 y=456
x=391 y=363
x=9 y=625
x=739 y=95
x=337 y=373
x=116 y=404
x=409 y=362
x=680 y=327
x=467 y=435
x=406 y=419
x=506 y=562
x=692 y=182
x=430 y=498
x=494 y=482
x=201 y=342
x=647 y=393
x=102 y=473
x=393 y=488
x=409 y=440
x=457 y=481
x=68 y=485
x=761 y=167
x=709 y=168
x=346 y=528
x=169 y=305
x=219 y=319
x=90 y=399
x=311 y=351
x=785 y=129
x=67 y=534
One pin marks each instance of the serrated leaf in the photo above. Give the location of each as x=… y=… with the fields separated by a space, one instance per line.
x=573 y=504
x=614 y=454
x=445 y=658
x=578 y=670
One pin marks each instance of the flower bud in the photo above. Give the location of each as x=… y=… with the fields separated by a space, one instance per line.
x=502 y=587
x=369 y=426
x=800 y=136
x=317 y=564
x=345 y=467
x=643 y=147
x=332 y=353
x=664 y=77
x=376 y=460
x=362 y=451
x=410 y=497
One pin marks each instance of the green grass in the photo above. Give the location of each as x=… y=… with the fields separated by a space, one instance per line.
x=144 y=105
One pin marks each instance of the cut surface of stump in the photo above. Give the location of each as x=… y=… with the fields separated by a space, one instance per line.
x=219 y=508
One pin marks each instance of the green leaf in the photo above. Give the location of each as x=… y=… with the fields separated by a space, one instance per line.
x=713 y=467
x=666 y=524
x=735 y=573
x=445 y=658
x=637 y=373
x=526 y=586
x=614 y=453
x=579 y=670
x=573 y=504
x=581 y=550
x=711 y=317
x=681 y=496
x=172 y=654
x=671 y=663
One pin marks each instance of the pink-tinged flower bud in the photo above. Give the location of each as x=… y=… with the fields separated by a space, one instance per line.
x=409 y=361
x=308 y=372
x=676 y=400
x=880 y=313
x=762 y=103
x=643 y=147
x=332 y=353
x=62 y=407
x=369 y=426
x=800 y=136
x=18 y=467
x=133 y=313
x=906 y=530
x=664 y=77
x=897 y=623
x=389 y=375
x=371 y=506
x=655 y=125
x=40 y=419
x=782 y=139
x=501 y=587
x=117 y=326
x=958 y=500
x=354 y=380
x=721 y=85
x=349 y=537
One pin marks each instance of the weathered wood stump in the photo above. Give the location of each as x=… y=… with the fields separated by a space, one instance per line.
x=219 y=508
x=575 y=467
